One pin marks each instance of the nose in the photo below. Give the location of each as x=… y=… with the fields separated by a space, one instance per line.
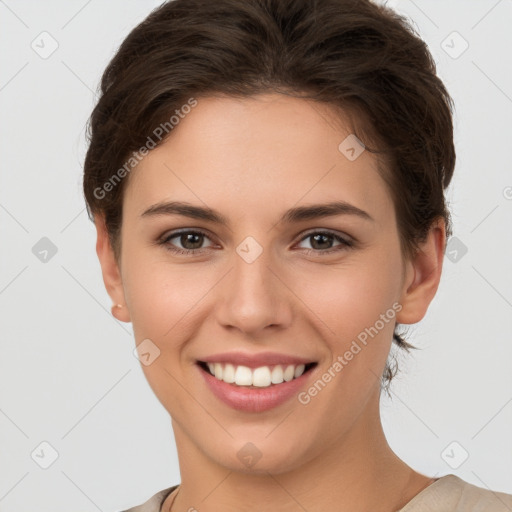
x=253 y=296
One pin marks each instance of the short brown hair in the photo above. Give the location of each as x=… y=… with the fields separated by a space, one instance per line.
x=355 y=55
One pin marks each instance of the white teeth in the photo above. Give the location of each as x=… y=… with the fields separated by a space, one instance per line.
x=299 y=370
x=243 y=376
x=229 y=374
x=261 y=377
x=277 y=375
x=289 y=373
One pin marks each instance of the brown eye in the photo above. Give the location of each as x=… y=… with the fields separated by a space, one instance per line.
x=190 y=241
x=322 y=242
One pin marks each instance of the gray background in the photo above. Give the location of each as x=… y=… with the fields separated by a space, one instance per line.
x=68 y=376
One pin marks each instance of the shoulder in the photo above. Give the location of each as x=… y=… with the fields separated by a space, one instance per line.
x=452 y=494
x=154 y=503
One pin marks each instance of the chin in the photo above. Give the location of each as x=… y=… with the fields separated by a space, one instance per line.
x=259 y=455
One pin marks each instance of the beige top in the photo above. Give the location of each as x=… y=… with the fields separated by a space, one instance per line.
x=447 y=494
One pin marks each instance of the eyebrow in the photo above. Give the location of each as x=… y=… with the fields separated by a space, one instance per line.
x=297 y=214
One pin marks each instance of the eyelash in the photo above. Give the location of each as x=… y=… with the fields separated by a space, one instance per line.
x=345 y=244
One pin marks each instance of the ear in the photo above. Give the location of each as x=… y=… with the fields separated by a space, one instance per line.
x=423 y=274
x=110 y=270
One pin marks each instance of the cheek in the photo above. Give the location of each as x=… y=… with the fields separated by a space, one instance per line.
x=163 y=301
x=351 y=296
x=160 y=298
x=167 y=302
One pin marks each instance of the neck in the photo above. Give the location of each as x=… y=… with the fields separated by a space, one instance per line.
x=358 y=471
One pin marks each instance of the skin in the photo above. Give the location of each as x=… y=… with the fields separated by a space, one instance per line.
x=252 y=159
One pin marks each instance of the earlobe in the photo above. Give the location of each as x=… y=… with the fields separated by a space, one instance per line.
x=110 y=271
x=423 y=276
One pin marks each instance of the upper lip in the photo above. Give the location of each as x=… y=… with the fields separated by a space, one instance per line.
x=255 y=360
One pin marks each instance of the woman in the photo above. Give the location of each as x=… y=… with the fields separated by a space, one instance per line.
x=267 y=182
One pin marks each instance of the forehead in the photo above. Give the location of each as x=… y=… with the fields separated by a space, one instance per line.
x=265 y=152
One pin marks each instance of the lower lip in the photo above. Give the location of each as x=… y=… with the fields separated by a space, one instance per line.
x=249 y=399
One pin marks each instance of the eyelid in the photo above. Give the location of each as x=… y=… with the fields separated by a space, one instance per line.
x=345 y=243
x=174 y=233
x=347 y=238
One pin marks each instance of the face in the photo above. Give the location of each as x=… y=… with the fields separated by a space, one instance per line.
x=302 y=288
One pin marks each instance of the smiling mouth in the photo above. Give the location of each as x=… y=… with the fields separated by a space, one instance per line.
x=260 y=377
